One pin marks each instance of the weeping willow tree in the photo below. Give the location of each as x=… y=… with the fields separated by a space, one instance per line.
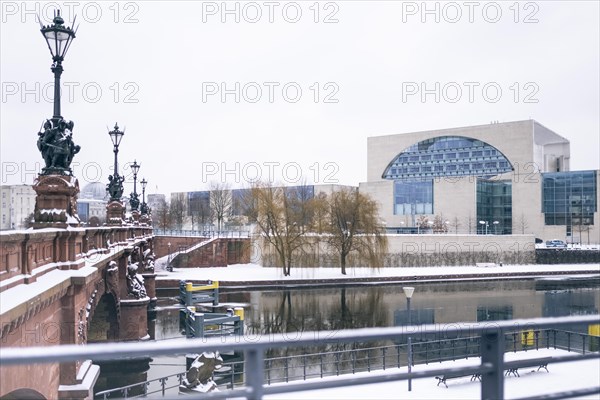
x=354 y=227
x=281 y=219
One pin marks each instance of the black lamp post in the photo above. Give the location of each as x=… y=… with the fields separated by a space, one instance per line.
x=55 y=142
x=134 y=201
x=115 y=185
x=59 y=38
x=144 y=206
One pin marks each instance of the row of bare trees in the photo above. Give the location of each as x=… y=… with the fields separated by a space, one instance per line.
x=293 y=221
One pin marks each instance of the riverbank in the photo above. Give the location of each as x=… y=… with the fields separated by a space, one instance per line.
x=253 y=275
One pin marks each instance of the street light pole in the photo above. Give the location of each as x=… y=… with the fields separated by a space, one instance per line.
x=134 y=201
x=115 y=185
x=486 y=223
x=408 y=292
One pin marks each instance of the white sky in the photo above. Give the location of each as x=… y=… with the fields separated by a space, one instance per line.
x=170 y=51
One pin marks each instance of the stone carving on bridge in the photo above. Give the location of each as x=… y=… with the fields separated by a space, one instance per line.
x=135 y=282
x=199 y=377
x=149 y=258
x=57 y=147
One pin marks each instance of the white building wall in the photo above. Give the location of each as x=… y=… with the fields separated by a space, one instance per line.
x=18 y=202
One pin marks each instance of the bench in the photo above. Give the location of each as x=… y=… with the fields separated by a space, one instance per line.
x=512 y=368
x=453 y=375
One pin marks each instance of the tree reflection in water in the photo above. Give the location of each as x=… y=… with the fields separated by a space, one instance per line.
x=300 y=311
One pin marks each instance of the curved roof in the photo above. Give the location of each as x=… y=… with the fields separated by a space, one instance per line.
x=94 y=190
x=447 y=156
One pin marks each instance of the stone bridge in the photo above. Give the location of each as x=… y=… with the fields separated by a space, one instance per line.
x=71 y=286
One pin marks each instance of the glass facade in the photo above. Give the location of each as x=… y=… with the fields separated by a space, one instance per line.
x=494 y=207
x=448 y=156
x=199 y=203
x=413 y=197
x=569 y=198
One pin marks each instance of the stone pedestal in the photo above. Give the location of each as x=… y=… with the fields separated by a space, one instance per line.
x=145 y=219
x=56 y=201
x=115 y=213
x=135 y=217
x=150 y=284
x=134 y=319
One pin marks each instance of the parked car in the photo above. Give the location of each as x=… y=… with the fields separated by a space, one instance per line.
x=556 y=244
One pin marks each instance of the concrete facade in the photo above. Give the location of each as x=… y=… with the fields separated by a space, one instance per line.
x=531 y=149
x=18 y=202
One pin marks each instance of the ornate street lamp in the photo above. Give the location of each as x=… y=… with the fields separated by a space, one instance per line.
x=55 y=141
x=115 y=185
x=134 y=201
x=59 y=38
x=144 y=206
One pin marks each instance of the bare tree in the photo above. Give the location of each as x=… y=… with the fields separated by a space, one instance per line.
x=422 y=222
x=455 y=224
x=279 y=221
x=354 y=226
x=439 y=225
x=161 y=217
x=177 y=210
x=220 y=202
x=200 y=211
x=523 y=224
x=470 y=223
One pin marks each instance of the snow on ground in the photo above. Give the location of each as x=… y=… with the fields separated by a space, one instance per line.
x=254 y=272
x=561 y=377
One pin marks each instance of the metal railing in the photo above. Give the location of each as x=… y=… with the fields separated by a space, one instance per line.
x=491 y=368
x=203 y=233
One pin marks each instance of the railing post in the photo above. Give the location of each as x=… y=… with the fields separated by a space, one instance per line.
x=198 y=325
x=321 y=359
x=383 y=358
x=254 y=373
x=304 y=366
x=492 y=352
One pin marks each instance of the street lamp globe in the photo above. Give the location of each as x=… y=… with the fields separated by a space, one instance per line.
x=135 y=167
x=408 y=291
x=58 y=37
x=143 y=182
x=115 y=136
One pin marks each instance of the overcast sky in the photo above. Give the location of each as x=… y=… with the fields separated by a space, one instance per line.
x=291 y=90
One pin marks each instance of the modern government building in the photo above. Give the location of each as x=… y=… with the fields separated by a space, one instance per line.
x=501 y=178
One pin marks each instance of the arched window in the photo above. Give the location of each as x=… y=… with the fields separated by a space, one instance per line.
x=447 y=156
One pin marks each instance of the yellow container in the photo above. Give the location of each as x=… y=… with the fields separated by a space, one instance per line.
x=527 y=338
x=239 y=311
x=594 y=330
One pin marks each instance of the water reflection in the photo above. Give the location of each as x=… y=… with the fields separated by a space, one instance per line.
x=294 y=311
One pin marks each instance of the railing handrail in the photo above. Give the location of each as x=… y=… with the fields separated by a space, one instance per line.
x=491 y=367
x=102 y=351
x=336 y=355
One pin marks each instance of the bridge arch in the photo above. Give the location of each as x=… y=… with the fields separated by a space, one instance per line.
x=104 y=325
x=20 y=394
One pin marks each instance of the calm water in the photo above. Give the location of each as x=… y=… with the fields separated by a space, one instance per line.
x=297 y=310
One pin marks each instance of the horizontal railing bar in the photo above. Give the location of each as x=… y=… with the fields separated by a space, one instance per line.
x=564 y=395
x=368 y=379
x=105 y=351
